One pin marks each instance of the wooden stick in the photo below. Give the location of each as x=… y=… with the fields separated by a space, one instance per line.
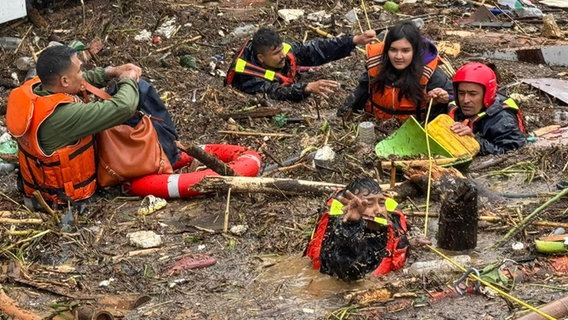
x=10 y=308
x=248 y=133
x=44 y=205
x=413 y=163
x=392 y=173
x=135 y=253
x=23 y=38
x=20 y=221
x=227 y=208
x=366 y=16
x=523 y=224
x=358 y=22
x=256 y=113
x=267 y=185
x=210 y=161
x=498 y=219
x=32 y=50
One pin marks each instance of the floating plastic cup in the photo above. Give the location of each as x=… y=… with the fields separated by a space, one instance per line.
x=367 y=132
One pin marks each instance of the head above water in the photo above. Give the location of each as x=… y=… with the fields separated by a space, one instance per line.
x=475 y=85
x=363 y=187
x=402 y=62
x=59 y=69
x=267 y=48
x=403 y=46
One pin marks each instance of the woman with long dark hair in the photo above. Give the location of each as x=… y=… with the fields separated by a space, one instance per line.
x=402 y=76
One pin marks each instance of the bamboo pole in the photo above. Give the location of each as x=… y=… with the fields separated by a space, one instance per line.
x=528 y=219
x=20 y=221
x=414 y=163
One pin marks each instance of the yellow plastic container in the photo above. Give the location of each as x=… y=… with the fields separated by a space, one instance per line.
x=458 y=146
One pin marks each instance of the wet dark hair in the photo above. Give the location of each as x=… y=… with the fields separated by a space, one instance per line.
x=365 y=184
x=265 y=39
x=53 y=62
x=408 y=80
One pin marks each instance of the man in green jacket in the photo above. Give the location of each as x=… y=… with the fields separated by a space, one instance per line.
x=55 y=127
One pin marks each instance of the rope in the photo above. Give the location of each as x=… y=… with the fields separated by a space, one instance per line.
x=365 y=11
x=457 y=265
x=430 y=163
x=489 y=285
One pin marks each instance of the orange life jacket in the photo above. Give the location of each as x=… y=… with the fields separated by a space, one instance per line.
x=69 y=173
x=388 y=104
x=240 y=65
x=396 y=256
x=507 y=104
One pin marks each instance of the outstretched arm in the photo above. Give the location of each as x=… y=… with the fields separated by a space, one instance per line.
x=319 y=51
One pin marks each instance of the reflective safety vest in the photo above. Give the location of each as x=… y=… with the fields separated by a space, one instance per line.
x=388 y=104
x=240 y=65
x=507 y=104
x=396 y=252
x=69 y=173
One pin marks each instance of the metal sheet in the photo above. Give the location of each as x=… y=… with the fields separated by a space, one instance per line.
x=552 y=55
x=12 y=9
x=555 y=87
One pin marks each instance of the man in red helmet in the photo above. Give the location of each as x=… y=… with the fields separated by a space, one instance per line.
x=493 y=119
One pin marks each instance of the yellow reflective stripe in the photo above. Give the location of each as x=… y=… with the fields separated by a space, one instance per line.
x=240 y=65
x=511 y=103
x=380 y=220
x=286 y=47
x=336 y=208
x=391 y=204
x=269 y=75
x=481 y=114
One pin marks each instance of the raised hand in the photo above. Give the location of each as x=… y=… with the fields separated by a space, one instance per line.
x=322 y=87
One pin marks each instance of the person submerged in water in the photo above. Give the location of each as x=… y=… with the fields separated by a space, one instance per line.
x=362 y=232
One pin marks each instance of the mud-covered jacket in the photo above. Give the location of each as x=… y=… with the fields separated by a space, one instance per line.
x=388 y=104
x=68 y=173
x=312 y=53
x=349 y=250
x=498 y=129
x=243 y=67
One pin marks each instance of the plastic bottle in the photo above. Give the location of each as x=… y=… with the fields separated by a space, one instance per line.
x=6 y=167
x=9 y=43
x=438 y=266
x=367 y=132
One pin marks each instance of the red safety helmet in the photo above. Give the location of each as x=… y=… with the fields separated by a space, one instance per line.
x=479 y=73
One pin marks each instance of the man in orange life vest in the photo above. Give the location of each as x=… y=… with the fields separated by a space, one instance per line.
x=54 y=127
x=362 y=233
x=267 y=65
x=493 y=119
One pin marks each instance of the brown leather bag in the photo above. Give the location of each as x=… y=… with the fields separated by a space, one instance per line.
x=126 y=152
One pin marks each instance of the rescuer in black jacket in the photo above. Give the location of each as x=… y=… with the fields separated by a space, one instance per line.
x=493 y=119
x=267 y=65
